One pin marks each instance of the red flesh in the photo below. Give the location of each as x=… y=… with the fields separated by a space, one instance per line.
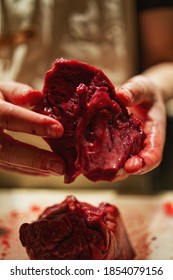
x=74 y=230
x=99 y=134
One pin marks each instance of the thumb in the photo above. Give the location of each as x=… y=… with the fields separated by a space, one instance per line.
x=135 y=91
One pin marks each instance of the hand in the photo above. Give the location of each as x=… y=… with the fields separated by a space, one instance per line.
x=16 y=156
x=144 y=98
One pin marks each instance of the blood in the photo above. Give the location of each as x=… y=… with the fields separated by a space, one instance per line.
x=141 y=245
x=5 y=243
x=14 y=214
x=35 y=208
x=168 y=208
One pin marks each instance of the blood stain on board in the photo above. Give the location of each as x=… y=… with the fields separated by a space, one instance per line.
x=4 y=241
x=139 y=234
x=35 y=208
x=168 y=208
x=14 y=214
x=142 y=247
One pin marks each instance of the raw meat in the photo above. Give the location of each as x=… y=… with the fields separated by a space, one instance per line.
x=74 y=230
x=99 y=134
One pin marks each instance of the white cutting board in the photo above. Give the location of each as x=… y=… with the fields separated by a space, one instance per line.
x=149 y=228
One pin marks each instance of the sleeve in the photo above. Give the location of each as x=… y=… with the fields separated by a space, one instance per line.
x=149 y=4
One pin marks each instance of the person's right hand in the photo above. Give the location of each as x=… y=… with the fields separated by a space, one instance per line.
x=16 y=156
x=144 y=98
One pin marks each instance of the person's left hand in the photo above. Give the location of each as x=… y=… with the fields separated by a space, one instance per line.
x=144 y=99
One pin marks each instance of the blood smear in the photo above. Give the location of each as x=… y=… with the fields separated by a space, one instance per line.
x=168 y=208
x=35 y=208
x=4 y=243
x=14 y=214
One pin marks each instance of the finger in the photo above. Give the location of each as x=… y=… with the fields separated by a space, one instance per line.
x=136 y=91
x=20 y=94
x=149 y=158
x=24 y=156
x=19 y=119
x=25 y=171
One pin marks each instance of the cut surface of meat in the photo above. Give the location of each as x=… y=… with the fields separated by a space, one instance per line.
x=74 y=230
x=99 y=133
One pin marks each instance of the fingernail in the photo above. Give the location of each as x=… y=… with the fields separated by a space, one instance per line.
x=55 y=130
x=120 y=172
x=128 y=93
x=56 y=167
x=134 y=165
x=124 y=95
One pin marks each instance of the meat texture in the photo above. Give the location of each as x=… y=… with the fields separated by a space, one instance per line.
x=74 y=230
x=99 y=133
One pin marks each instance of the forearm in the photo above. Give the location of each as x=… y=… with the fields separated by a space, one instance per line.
x=156 y=41
x=162 y=75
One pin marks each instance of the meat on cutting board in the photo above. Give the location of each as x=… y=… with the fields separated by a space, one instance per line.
x=74 y=230
x=99 y=133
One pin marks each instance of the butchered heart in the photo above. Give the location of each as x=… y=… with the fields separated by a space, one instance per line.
x=99 y=133
x=75 y=230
